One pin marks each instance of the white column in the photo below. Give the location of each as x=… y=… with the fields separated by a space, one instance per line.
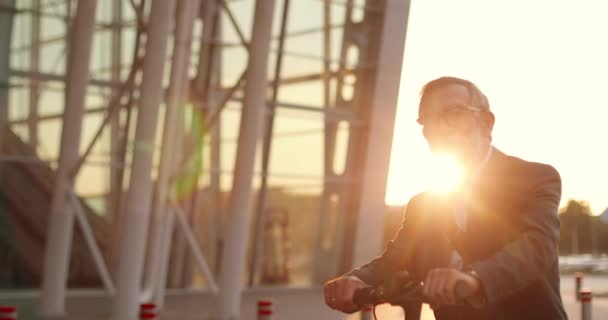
x=371 y=217
x=176 y=99
x=137 y=207
x=239 y=208
x=61 y=218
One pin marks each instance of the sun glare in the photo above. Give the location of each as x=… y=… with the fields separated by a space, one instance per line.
x=445 y=174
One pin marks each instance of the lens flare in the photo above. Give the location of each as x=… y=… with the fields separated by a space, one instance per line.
x=446 y=173
x=190 y=162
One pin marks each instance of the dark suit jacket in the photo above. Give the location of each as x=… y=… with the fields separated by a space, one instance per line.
x=511 y=241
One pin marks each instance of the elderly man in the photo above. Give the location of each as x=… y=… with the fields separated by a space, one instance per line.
x=502 y=225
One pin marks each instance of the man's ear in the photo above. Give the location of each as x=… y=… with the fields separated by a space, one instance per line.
x=488 y=123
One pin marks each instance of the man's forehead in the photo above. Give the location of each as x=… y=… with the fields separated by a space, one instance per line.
x=448 y=95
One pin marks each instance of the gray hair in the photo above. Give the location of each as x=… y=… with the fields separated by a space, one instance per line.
x=478 y=98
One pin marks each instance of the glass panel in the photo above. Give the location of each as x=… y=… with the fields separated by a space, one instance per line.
x=49 y=139
x=19 y=101
x=341 y=152
x=51 y=100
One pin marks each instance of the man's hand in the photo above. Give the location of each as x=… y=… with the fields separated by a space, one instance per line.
x=440 y=284
x=339 y=293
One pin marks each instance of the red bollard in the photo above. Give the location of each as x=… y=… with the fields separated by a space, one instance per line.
x=578 y=278
x=147 y=311
x=586 y=305
x=264 y=310
x=8 y=313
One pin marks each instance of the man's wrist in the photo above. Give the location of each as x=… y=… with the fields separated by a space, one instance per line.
x=478 y=299
x=353 y=277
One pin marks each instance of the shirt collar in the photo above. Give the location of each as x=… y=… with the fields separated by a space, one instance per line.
x=477 y=172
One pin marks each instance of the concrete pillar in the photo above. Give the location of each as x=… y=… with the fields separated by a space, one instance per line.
x=239 y=207
x=138 y=202
x=371 y=218
x=61 y=216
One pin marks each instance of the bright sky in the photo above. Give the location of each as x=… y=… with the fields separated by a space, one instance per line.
x=544 y=67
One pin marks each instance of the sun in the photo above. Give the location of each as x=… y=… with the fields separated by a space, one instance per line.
x=438 y=173
x=445 y=174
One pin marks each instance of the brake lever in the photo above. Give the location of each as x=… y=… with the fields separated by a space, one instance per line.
x=461 y=291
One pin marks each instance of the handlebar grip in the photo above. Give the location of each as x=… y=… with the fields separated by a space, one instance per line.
x=462 y=291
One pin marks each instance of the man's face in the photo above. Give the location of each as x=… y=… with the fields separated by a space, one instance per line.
x=451 y=124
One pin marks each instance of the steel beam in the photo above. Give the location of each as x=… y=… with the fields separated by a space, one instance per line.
x=214 y=224
x=115 y=128
x=34 y=82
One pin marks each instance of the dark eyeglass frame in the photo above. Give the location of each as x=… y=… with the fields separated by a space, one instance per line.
x=443 y=116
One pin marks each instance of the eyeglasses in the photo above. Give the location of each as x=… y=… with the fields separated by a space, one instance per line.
x=458 y=116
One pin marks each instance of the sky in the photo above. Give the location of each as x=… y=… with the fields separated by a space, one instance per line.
x=543 y=66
